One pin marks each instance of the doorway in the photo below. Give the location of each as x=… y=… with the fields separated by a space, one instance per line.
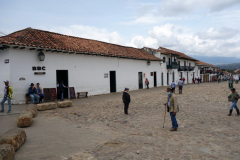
x=193 y=75
x=162 y=79
x=173 y=77
x=62 y=76
x=181 y=75
x=140 y=80
x=167 y=78
x=155 y=79
x=187 y=77
x=113 y=81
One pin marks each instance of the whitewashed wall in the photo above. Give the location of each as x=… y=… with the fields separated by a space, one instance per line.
x=85 y=72
x=4 y=70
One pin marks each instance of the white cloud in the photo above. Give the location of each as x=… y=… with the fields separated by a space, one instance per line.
x=221 y=43
x=169 y=10
x=223 y=33
x=88 y=32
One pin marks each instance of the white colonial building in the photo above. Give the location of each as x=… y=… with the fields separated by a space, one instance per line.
x=35 y=56
x=175 y=65
x=87 y=65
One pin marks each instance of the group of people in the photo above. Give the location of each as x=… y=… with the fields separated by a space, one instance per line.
x=180 y=86
x=172 y=105
x=35 y=93
x=199 y=80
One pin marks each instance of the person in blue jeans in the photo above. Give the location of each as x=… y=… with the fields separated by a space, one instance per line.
x=172 y=107
x=234 y=98
x=33 y=93
x=8 y=91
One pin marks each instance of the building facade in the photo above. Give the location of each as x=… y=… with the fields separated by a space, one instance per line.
x=35 y=56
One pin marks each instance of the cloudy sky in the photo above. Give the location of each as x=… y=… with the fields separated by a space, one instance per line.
x=194 y=27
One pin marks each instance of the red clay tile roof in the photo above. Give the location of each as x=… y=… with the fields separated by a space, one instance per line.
x=157 y=50
x=203 y=63
x=181 y=55
x=48 y=40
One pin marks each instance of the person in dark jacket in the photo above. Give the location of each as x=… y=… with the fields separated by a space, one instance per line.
x=126 y=100
x=61 y=89
x=33 y=93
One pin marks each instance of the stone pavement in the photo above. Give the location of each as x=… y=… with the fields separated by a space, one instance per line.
x=96 y=128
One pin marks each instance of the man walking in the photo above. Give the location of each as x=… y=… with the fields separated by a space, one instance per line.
x=8 y=91
x=173 y=108
x=126 y=100
x=173 y=85
x=234 y=98
x=180 y=86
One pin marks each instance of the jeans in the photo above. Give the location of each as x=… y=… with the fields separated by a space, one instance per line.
x=174 y=120
x=9 y=103
x=61 y=95
x=180 y=89
x=173 y=90
x=234 y=104
x=147 y=86
x=34 y=96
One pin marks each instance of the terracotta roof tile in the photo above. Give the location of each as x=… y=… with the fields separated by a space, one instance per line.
x=44 y=39
x=203 y=63
x=181 y=55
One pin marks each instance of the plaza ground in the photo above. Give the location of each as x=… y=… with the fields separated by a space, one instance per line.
x=96 y=127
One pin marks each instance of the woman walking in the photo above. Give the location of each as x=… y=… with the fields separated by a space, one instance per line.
x=147 y=83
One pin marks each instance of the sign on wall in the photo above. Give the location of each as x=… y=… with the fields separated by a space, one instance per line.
x=151 y=74
x=22 y=79
x=105 y=75
x=49 y=94
x=6 y=61
x=72 y=93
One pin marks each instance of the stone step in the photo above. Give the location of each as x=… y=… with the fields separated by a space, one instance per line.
x=46 y=106
x=14 y=137
x=7 y=152
x=25 y=119
x=64 y=104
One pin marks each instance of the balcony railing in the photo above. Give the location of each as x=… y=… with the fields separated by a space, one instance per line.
x=183 y=68
x=172 y=65
x=209 y=71
x=191 y=68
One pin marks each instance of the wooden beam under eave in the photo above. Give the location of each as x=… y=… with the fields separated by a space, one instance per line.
x=15 y=47
x=22 y=47
x=47 y=50
x=54 y=50
x=59 y=51
x=71 y=52
x=65 y=51
x=32 y=48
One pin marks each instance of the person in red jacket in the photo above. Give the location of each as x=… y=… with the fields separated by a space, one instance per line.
x=183 y=80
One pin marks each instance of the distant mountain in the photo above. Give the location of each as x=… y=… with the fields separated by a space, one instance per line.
x=217 y=60
x=232 y=66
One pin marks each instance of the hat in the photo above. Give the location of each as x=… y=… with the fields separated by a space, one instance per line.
x=31 y=84
x=6 y=81
x=169 y=89
x=126 y=89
